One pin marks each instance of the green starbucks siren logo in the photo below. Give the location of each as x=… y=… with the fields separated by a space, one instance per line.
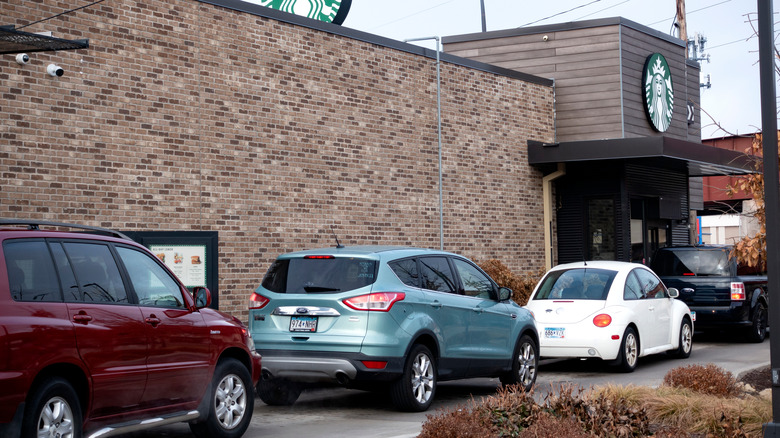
x=659 y=94
x=329 y=11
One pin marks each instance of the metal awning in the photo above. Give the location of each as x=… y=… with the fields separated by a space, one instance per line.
x=702 y=160
x=14 y=41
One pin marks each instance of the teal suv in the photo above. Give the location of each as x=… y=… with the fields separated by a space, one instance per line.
x=386 y=318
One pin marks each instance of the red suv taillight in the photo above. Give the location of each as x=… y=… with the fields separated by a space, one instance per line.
x=737 y=291
x=378 y=302
x=257 y=301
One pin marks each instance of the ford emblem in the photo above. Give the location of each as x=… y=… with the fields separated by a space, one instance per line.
x=302 y=310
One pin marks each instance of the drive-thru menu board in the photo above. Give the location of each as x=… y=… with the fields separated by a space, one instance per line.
x=188 y=262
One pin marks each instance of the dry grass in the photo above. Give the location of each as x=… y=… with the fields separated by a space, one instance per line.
x=696 y=412
x=607 y=411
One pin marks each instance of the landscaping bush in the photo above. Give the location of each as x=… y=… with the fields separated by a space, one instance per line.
x=706 y=379
x=607 y=411
x=522 y=285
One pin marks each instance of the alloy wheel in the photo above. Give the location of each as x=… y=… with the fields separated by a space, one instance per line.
x=527 y=369
x=422 y=378
x=56 y=420
x=230 y=401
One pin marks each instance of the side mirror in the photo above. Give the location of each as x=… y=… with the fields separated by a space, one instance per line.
x=673 y=292
x=202 y=297
x=504 y=293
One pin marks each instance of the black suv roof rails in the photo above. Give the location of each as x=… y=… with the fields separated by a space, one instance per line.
x=36 y=224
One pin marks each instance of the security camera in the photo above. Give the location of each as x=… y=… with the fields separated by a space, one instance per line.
x=545 y=38
x=55 y=70
x=22 y=59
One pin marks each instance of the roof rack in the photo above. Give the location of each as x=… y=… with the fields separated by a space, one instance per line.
x=36 y=224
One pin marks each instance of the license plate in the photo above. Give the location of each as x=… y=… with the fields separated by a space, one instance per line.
x=554 y=332
x=303 y=324
x=693 y=315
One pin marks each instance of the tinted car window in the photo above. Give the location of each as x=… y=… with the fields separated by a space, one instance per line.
x=475 y=283
x=436 y=274
x=70 y=287
x=152 y=284
x=96 y=273
x=407 y=272
x=633 y=290
x=675 y=263
x=579 y=284
x=31 y=274
x=319 y=274
x=651 y=285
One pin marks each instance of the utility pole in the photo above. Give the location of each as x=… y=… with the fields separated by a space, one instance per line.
x=681 y=23
x=766 y=52
x=482 y=7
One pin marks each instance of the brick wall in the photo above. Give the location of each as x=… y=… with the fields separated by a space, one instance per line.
x=187 y=116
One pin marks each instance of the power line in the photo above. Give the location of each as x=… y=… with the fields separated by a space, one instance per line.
x=690 y=12
x=413 y=14
x=62 y=13
x=602 y=10
x=561 y=13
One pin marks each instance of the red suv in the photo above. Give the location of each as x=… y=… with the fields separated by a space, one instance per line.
x=98 y=337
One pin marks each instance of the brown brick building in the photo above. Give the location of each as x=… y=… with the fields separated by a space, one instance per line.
x=271 y=130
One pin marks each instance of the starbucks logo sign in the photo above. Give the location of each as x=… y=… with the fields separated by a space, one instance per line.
x=329 y=11
x=659 y=93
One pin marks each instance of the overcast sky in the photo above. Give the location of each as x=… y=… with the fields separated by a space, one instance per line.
x=733 y=100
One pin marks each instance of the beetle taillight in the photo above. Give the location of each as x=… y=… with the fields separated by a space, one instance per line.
x=602 y=320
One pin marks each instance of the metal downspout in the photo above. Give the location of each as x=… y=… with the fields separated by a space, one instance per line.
x=548 y=206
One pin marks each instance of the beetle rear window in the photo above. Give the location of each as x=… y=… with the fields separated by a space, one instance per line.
x=319 y=275
x=576 y=284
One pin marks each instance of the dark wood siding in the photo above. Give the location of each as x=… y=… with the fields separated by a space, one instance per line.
x=635 y=48
x=585 y=64
x=581 y=183
x=597 y=68
x=666 y=185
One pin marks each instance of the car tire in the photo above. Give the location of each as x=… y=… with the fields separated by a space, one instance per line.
x=415 y=390
x=231 y=402
x=524 y=364
x=278 y=392
x=758 y=325
x=53 y=408
x=629 y=351
x=686 y=340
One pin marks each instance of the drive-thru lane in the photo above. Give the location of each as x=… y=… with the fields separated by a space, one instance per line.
x=337 y=412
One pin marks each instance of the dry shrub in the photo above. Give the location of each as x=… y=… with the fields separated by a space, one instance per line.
x=601 y=413
x=510 y=411
x=549 y=426
x=521 y=285
x=608 y=411
x=705 y=379
x=459 y=422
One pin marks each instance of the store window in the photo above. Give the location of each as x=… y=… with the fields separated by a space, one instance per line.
x=601 y=229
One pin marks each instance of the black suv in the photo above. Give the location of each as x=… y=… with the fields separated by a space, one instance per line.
x=719 y=290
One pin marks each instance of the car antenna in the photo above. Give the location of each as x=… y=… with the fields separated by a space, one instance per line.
x=338 y=244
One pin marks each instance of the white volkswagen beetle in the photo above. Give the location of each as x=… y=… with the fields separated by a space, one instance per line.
x=615 y=311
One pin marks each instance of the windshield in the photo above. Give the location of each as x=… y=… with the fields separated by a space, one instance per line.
x=681 y=262
x=579 y=284
x=312 y=275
